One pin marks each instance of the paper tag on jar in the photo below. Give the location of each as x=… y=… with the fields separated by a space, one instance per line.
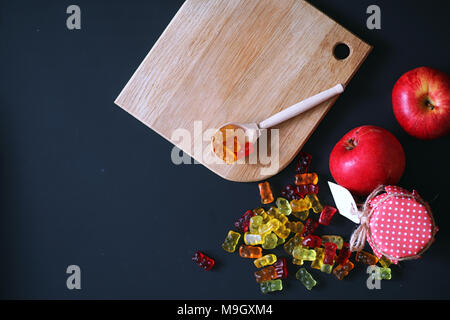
x=344 y=202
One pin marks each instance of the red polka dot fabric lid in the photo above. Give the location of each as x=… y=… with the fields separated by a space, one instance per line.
x=401 y=225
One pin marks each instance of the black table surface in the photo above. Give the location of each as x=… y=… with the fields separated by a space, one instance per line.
x=84 y=183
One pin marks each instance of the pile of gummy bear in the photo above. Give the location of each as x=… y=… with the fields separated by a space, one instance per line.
x=266 y=230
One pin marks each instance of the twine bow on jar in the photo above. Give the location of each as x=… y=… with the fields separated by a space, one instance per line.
x=359 y=236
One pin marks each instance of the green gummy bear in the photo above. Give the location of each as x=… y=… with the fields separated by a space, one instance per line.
x=304 y=254
x=271 y=285
x=284 y=206
x=327 y=268
x=305 y=278
x=383 y=274
x=270 y=241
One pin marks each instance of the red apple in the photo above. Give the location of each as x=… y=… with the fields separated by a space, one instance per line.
x=421 y=103
x=366 y=157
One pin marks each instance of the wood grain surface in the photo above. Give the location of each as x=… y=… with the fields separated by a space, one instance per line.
x=240 y=60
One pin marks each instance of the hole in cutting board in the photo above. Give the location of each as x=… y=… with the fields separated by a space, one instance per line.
x=341 y=51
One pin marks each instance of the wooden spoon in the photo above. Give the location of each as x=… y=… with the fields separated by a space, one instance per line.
x=252 y=131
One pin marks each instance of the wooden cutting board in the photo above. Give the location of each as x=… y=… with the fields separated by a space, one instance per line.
x=242 y=61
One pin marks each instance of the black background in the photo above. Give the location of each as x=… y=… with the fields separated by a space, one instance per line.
x=85 y=183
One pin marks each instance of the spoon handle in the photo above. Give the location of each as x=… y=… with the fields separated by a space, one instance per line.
x=301 y=107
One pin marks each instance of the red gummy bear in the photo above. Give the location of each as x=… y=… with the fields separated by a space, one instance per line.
x=280 y=268
x=310 y=226
x=242 y=224
x=327 y=214
x=312 y=241
x=203 y=261
x=330 y=253
x=289 y=193
x=344 y=254
x=304 y=159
